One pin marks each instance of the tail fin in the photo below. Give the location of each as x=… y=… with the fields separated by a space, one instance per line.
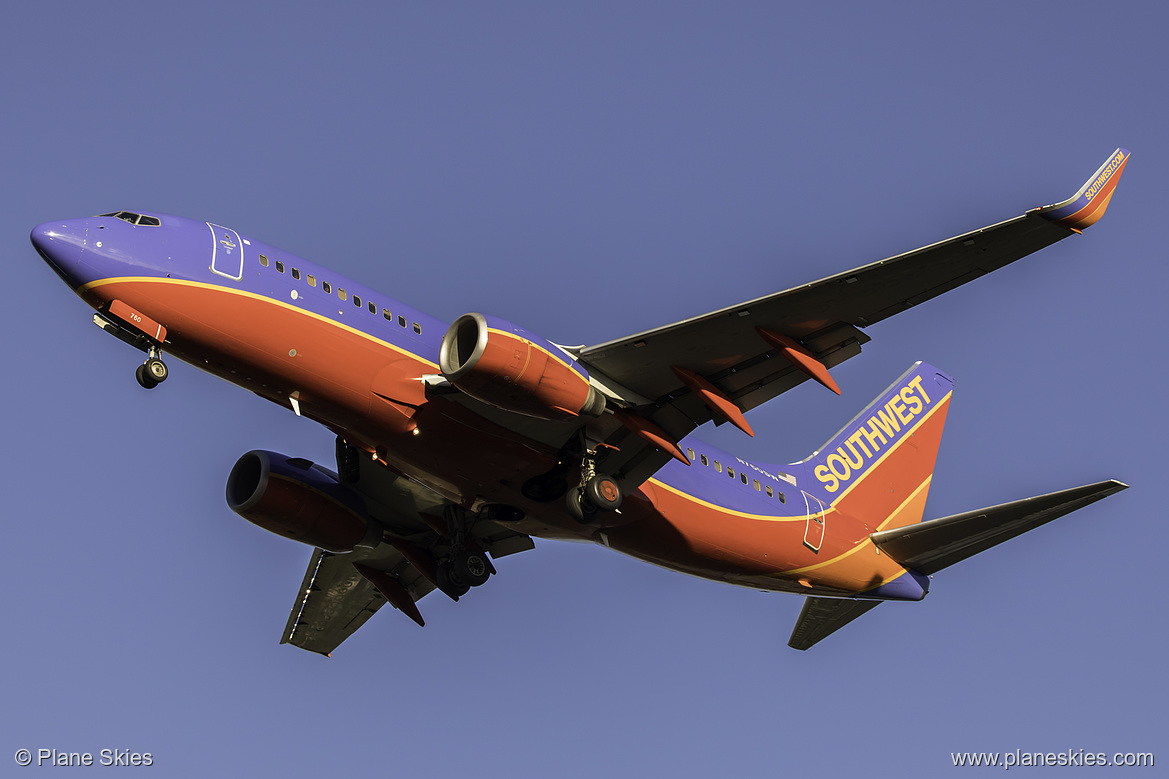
x=878 y=468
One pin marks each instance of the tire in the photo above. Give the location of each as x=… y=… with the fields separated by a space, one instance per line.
x=448 y=583
x=144 y=379
x=471 y=567
x=582 y=510
x=156 y=369
x=603 y=492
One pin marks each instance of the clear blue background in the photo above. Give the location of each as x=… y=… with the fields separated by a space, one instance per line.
x=588 y=171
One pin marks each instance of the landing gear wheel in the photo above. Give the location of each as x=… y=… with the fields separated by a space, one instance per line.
x=471 y=567
x=603 y=492
x=449 y=583
x=579 y=508
x=144 y=379
x=156 y=370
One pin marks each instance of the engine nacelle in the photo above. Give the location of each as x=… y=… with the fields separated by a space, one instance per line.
x=293 y=498
x=504 y=365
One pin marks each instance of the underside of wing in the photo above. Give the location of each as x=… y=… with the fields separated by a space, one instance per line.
x=340 y=592
x=335 y=599
x=727 y=348
x=749 y=353
x=821 y=617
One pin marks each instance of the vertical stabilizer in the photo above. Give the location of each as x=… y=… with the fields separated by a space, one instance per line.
x=878 y=468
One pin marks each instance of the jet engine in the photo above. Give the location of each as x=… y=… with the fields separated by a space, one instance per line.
x=293 y=498
x=508 y=367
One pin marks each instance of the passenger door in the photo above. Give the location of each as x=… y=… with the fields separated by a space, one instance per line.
x=227 y=252
x=814 y=532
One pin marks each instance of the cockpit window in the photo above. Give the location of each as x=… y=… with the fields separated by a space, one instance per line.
x=135 y=219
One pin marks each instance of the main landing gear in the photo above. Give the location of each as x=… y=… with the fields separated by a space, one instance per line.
x=597 y=492
x=594 y=493
x=466 y=566
x=152 y=372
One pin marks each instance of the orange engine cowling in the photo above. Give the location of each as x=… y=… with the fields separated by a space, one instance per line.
x=293 y=498
x=506 y=366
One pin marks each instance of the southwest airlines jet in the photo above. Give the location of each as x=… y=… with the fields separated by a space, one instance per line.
x=456 y=444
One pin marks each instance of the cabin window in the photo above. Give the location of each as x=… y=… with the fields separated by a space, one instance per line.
x=730 y=472
x=401 y=321
x=264 y=260
x=770 y=494
x=311 y=279
x=782 y=498
x=357 y=300
x=690 y=453
x=386 y=313
x=372 y=308
x=296 y=273
x=327 y=287
x=341 y=294
x=279 y=266
x=758 y=487
x=718 y=467
x=704 y=460
x=417 y=329
x=742 y=477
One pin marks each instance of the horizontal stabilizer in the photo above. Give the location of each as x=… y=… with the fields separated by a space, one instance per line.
x=929 y=547
x=821 y=617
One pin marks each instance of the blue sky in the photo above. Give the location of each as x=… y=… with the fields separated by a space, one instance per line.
x=589 y=171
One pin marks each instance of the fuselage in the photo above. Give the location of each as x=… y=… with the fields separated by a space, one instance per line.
x=357 y=361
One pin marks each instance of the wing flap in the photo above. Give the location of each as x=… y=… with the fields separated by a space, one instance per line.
x=929 y=547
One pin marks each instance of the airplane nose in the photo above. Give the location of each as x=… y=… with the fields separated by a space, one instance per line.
x=62 y=245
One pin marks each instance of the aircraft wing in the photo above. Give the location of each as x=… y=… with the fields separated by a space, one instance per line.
x=335 y=599
x=821 y=321
x=340 y=592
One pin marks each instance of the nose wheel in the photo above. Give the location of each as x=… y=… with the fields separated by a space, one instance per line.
x=152 y=372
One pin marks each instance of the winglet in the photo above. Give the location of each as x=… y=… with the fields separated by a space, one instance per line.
x=1083 y=209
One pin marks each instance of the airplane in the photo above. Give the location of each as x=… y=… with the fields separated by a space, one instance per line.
x=457 y=444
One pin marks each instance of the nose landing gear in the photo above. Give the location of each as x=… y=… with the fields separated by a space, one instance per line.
x=152 y=372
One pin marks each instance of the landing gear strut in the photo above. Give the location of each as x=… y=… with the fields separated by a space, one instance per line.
x=347 y=462
x=152 y=372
